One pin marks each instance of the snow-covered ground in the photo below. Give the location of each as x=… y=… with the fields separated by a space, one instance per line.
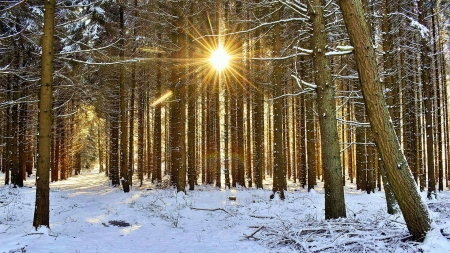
x=87 y=215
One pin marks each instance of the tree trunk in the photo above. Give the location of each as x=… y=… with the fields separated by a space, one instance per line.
x=42 y=206
x=124 y=170
x=279 y=180
x=131 y=120
x=248 y=138
x=23 y=145
x=157 y=122
x=399 y=176
x=100 y=146
x=331 y=159
x=427 y=85
x=177 y=109
x=311 y=141
x=391 y=203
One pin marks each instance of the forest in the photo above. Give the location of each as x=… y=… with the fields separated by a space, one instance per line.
x=258 y=104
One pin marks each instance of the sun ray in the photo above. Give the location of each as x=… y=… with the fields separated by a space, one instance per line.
x=162 y=98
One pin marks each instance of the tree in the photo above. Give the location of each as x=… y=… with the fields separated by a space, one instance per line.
x=177 y=106
x=42 y=207
x=279 y=173
x=428 y=88
x=398 y=173
x=124 y=170
x=331 y=162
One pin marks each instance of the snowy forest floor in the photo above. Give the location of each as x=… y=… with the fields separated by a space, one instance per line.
x=88 y=215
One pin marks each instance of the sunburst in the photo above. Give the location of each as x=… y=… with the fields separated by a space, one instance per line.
x=220 y=58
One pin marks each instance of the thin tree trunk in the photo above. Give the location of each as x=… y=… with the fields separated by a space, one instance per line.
x=124 y=169
x=131 y=126
x=192 y=112
x=427 y=85
x=157 y=123
x=177 y=107
x=248 y=137
x=42 y=206
x=279 y=177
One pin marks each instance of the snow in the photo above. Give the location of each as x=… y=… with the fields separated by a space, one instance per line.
x=344 y=48
x=88 y=215
x=334 y=53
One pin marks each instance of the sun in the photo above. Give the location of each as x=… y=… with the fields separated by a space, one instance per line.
x=220 y=59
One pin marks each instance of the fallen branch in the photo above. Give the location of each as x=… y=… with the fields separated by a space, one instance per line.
x=261 y=217
x=37 y=233
x=253 y=234
x=211 y=209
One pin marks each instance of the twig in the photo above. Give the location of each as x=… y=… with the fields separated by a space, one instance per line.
x=252 y=235
x=37 y=233
x=211 y=209
x=262 y=217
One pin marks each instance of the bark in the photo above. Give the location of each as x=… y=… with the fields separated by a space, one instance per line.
x=331 y=159
x=391 y=203
x=124 y=169
x=7 y=136
x=192 y=112
x=248 y=141
x=413 y=209
x=361 y=153
x=157 y=173
x=210 y=137
x=114 y=146
x=100 y=146
x=23 y=145
x=16 y=177
x=141 y=140
x=177 y=107
x=258 y=112
x=438 y=103
x=216 y=121
x=131 y=120
x=149 y=159
x=279 y=180
x=240 y=141
x=302 y=141
x=427 y=85
x=42 y=206
x=311 y=141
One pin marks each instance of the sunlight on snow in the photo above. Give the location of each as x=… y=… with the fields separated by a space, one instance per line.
x=128 y=230
x=96 y=220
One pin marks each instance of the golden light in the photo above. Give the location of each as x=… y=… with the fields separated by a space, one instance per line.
x=220 y=59
x=163 y=97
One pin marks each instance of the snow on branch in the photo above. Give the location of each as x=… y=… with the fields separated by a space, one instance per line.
x=344 y=48
x=424 y=31
x=100 y=63
x=304 y=50
x=312 y=87
x=88 y=50
x=379 y=234
x=12 y=6
x=255 y=28
x=297 y=7
x=341 y=50
x=299 y=82
x=279 y=58
x=335 y=53
x=292 y=94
